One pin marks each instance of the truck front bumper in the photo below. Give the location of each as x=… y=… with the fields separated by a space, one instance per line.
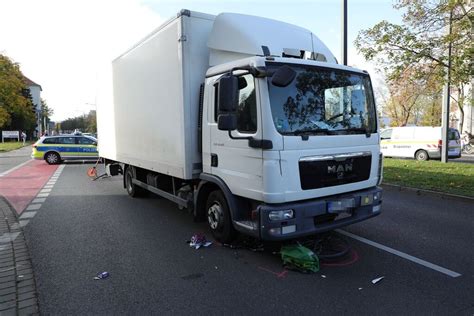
x=319 y=215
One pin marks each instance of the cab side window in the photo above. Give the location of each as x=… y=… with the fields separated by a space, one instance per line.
x=85 y=141
x=386 y=134
x=67 y=140
x=53 y=140
x=247 y=108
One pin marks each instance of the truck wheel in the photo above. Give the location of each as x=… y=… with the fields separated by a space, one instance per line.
x=218 y=217
x=52 y=158
x=421 y=155
x=132 y=189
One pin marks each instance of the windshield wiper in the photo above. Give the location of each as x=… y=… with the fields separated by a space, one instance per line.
x=366 y=131
x=305 y=133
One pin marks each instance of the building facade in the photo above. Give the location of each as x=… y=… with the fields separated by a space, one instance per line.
x=35 y=91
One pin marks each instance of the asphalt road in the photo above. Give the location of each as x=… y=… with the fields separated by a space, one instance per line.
x=85 y=227
x=464 y=158
x=11 y=159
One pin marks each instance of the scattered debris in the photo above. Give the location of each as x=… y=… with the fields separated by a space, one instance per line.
x=248 y=243
x=377 y=280
x=102 y=275
x=360 y=288
x=323 y=276
x=198 y=241
x=299 y=258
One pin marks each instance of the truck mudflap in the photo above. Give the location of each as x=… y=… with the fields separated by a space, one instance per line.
x=298 y=219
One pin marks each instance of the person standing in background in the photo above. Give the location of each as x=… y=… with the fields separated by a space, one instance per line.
x=23 y=137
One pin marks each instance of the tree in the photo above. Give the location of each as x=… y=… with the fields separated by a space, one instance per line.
x=15 y=105
x=85 y=123
x=46 y=113
x=420 y=45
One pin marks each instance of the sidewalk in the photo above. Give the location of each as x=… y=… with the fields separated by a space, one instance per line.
x=17 y=283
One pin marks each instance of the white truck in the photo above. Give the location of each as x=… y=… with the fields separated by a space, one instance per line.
x=249 y=123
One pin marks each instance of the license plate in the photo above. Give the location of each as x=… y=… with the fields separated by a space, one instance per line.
x=341 y=205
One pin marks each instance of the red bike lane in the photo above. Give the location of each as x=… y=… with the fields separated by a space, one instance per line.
x=22 y=185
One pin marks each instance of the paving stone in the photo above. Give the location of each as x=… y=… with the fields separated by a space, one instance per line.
x=26 y=303
x=7 y=273
x=6 y=254
x=6 y=260
x=22 y=277
x=7 y=305
x=25 y=283
x=30 y=310
x=21 y=257
x=6 y=298
x=5 y=266
x=7 y=278
x=27 y=295
x=5 y=285
x=25 y=289
x=9 y=312
x=24 y=271
x=8 y=290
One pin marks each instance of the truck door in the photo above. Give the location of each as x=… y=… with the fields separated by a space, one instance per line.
x=239 y=165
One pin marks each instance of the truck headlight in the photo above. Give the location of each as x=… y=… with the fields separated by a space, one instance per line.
x=281 y=215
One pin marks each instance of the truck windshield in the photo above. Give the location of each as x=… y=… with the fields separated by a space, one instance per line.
x=322 y=101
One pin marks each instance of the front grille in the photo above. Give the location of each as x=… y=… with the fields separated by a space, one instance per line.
x=327 y=171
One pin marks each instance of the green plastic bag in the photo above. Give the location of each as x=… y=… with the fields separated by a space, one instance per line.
x=300 y=258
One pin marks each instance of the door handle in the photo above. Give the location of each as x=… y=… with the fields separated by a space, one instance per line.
x=214 y=160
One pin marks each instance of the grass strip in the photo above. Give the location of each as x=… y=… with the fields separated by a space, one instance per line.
x=8 y=146
x=454 y=178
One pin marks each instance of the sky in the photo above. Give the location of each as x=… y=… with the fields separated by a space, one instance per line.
x=64 y=45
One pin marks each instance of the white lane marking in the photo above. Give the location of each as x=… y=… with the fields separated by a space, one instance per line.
x=45 y=190
x=51 y=183
x=14 y=168
x=8 y=237
x=23 y=223
x=48 y=186
x=401 y=254
x=27 y=215
x=33 y=207
x=38 y=200
x=40 y=195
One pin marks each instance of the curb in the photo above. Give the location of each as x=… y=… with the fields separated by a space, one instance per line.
x=18 y=295
x=443 y=195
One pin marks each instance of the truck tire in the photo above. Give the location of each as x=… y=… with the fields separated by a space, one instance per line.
x=52 y=158
x=218 y=217
x=132 y=189
x=421 y=155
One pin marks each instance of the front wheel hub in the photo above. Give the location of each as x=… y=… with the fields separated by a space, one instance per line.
x=214 y=216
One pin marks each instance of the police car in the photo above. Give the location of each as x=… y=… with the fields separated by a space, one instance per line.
x=55 y=149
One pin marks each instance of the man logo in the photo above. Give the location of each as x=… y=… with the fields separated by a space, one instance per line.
x=340 y=169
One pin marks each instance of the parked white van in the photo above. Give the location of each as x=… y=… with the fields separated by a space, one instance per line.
x=419 y=142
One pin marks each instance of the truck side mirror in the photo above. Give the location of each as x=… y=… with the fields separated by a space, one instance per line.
x=228 y=94
x=227 y=122
x=227 y=102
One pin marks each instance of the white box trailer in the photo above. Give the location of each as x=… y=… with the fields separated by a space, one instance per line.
x=247 y=122
x=156 y=94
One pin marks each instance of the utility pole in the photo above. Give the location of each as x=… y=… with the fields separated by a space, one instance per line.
x=344 y=32
x=446 y=99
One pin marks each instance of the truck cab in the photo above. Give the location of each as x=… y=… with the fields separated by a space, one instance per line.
x=298 y=148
